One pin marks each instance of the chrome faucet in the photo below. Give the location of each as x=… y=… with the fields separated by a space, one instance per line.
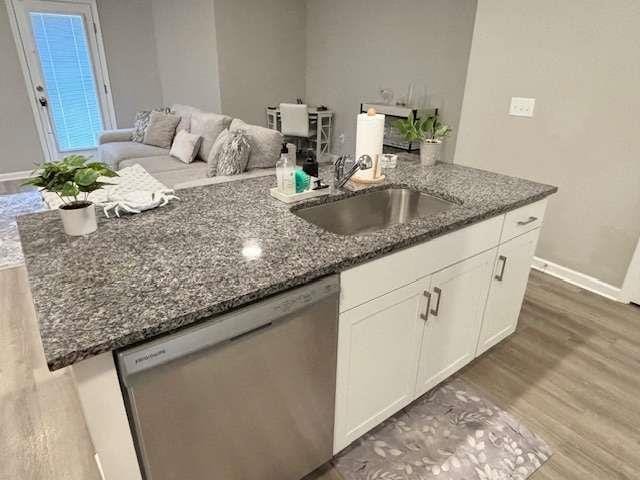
x=341 y=178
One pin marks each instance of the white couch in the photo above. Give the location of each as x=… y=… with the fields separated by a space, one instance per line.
x=117 y=150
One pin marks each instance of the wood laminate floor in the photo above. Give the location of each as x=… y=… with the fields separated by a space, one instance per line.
x=571 y=373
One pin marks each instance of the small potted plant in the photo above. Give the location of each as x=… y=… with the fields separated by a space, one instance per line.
x=429 y=131
x=73 y=179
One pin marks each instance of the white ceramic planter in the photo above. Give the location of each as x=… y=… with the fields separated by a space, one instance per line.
x=79 y=220
x=430 y=152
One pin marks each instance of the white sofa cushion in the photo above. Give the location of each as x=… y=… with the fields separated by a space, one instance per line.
x=164 y=163
x=265 y=144
x=173 y=180
x=208 y=126
x=115 y=152
x=184 y=112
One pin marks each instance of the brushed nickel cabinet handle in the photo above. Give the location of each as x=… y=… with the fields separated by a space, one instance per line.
x=425 y=316
x=500 y=275
x=434 y=311
x=527 y=222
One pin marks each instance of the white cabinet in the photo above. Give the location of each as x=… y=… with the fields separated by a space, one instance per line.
x=508 y=285
x=378 y=345
x=450 y=336
x=471 y=281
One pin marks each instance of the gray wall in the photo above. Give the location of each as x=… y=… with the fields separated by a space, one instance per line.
x=127 y=34
x=18 y=136
x=261 y=54
x=579 y=59
x=421 y=41
x=187 y=52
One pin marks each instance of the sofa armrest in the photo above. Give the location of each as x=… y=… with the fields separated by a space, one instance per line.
x=120 y=135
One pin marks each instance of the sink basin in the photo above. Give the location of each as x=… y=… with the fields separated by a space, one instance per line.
x=373 y=211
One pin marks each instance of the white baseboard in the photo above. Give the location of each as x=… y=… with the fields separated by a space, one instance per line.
x=15 y=175
x=578 y=279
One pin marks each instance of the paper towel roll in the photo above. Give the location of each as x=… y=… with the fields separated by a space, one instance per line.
x=369 y=138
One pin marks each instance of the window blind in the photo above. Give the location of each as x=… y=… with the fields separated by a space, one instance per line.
x=65 y=61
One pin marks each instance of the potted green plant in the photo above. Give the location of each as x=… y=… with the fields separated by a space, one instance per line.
x=429 y=131
x=73 y=179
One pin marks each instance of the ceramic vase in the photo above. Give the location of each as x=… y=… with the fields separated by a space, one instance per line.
x=430 y=151
x=78 y=218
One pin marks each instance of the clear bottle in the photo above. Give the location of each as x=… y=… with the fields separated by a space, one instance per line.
x=288 y=177
x=281 y=166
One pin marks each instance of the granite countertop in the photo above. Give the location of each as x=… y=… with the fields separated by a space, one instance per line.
x=219 y=247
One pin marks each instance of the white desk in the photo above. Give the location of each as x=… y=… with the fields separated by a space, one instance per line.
x=321 y=119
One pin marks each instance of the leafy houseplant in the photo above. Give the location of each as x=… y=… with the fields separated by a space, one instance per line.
x=429 y=131
x=73 y=179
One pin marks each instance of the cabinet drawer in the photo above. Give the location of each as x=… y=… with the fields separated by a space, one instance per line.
x=378 y=277
x=523 y=220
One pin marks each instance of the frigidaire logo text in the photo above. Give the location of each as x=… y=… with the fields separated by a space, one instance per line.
x=151 y=355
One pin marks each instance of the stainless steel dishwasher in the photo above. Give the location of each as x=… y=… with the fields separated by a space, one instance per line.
x=246 y=395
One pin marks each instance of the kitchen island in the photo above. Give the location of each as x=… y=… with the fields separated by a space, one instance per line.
x=224 y=246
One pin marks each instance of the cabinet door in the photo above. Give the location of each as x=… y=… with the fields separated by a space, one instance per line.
x=378 y=345
x=508 y=285
x=450 y=336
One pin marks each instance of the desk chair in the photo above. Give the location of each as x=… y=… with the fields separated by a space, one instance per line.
x=294 y=122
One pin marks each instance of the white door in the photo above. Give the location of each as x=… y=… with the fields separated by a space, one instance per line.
x=378 y=345
x=509 y=282
x=66 y=73
x=458 y=297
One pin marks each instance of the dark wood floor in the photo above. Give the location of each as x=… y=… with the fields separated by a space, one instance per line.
x=571 y=373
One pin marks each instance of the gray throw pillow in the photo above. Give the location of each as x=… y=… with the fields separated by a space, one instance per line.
x=214 y=153
x=141 y=123
x=208 y=126
x=265 y=144
x=161 y=129
x=234 y=154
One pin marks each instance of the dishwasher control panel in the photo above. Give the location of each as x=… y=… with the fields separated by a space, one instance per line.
x=225 y=327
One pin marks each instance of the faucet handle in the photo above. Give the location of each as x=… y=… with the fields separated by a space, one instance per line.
x=365 y=162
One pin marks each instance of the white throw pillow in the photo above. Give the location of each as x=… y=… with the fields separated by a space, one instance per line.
x=208 y=126
x=185 y=146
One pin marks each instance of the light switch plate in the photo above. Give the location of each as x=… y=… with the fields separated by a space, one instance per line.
x=522 y=107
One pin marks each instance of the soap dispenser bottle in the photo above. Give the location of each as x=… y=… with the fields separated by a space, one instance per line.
x=285 y=173
x=280 y=167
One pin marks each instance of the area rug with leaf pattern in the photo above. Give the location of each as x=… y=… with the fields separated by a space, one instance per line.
x=10 y=206
x=451 y=433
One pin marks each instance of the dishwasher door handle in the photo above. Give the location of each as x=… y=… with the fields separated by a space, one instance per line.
x=253 y=330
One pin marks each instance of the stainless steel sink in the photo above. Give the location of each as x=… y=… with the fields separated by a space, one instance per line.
x=373 y=211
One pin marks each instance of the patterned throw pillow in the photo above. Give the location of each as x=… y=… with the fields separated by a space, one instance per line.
x=141 y=123
x=214 y=153
x=234 y=154
x=265 y=144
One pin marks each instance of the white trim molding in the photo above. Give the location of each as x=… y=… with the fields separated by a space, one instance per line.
x=631 y=286
x=578 y=279
x=4 y=177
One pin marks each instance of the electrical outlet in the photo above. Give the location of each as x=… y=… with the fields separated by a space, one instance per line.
x=522 y=107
